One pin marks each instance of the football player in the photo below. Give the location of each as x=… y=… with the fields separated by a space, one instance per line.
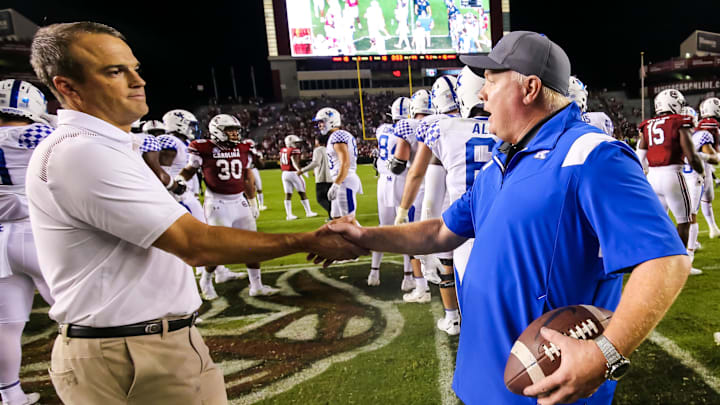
x=464 y=145
x=183 y=125
x=703 y=142
x=292 y=177
x=577 y=92
x=665 y=139
x=342 y=157
x=256 y=160
x=402 y=31
x=22 y=127
x=387 y=142
x=230 y=192
x=154 y=127
x=428 y=167
x=709 y=116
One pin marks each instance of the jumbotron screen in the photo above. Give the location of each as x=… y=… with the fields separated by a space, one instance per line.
x=383 y=27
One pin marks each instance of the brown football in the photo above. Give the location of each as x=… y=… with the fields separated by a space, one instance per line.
x=532 y=358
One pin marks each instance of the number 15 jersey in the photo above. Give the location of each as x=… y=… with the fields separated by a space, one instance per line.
x=222 y=165
x=662 y=137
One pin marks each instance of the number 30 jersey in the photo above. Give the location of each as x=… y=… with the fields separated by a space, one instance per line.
x=463 y=145
x=16 y=146
x=662 y=137
x=222 y=165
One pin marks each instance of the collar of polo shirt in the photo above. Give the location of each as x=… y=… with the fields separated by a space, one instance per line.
x=94 y=125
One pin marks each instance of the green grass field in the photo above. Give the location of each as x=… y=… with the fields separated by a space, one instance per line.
x=331 y=339
x=440 y=33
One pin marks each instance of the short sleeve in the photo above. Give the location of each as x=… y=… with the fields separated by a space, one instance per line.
x=433 y=134
x=420 y=131
x=295 y=152
x=167 y=142
x=118 y=193
x=339 y=137
x=404 y=130
x=193 y=158
x=623 y=210
x=686 y=121
x=705 y=138
x=458 y=217
x=150 y=144
x=32 y=135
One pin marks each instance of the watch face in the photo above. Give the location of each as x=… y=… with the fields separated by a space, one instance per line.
x=620 y=370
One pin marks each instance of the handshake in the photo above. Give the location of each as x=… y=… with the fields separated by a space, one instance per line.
x=339 y=239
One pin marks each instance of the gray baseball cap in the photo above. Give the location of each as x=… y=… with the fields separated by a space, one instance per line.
x=528 y=53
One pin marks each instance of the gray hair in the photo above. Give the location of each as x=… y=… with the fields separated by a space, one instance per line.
x=552 y=100
x=50 y=51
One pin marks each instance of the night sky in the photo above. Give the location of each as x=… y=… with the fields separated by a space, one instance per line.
x=177 y=44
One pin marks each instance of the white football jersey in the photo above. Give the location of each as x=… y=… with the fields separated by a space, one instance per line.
x=145 y=143
x=168 y=141
x=700 y=138
x=405 y=130
x=387 y=143
x=16 y=147
x=426 y=123
x=341 y=136
x=599 y=120
x=463 y=145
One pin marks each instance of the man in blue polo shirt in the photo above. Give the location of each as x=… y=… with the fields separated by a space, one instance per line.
x=550 y=215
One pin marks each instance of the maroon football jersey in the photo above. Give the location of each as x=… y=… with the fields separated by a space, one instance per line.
x=285 y=162
x=222 y=165
x=662 y=137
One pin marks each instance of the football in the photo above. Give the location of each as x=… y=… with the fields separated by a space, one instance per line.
x=532 y=358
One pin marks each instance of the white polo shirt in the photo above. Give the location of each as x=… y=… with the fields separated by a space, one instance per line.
x=96 y=208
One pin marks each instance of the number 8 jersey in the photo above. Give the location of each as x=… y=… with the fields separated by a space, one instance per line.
x=662 y=137
x=342 y=136
x=222 y=165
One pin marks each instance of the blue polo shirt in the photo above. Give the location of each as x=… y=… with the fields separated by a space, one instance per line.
x=555 y=226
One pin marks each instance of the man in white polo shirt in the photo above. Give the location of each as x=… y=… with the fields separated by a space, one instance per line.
x=112 y=242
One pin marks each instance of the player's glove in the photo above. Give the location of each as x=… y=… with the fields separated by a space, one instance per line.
x=177 y=186
x=332 y=192
x=254 y=210
x=401 y=216
x=431 y=268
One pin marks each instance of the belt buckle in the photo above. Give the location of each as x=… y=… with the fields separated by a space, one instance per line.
x=153 y=328
x=194 y=317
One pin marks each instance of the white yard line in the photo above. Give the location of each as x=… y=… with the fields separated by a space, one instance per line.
x=686 y=359
x=446 y=366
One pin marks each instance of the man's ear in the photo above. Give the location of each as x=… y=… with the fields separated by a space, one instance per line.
x=531 y=89
x=66 y=87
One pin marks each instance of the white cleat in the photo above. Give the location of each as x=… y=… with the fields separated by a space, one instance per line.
x=449 y=326
x=223 y=274
x=262 y=207
x=417 y=296
x=695 y=272
x=311 y=214
x=716 y=336
x=30 y=399
x=714 y=232
x=264 y=290
x=206 y=287
x=698 y=246
x=373 y=281
x=291 y=217
x=407 y=284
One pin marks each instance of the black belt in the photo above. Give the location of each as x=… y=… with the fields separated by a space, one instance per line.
x=137 y=329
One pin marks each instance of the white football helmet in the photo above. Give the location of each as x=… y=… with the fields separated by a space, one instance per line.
x=136 y=127
x=577 y=92
x=291 y=141
x=467 y=87
x=710 y=108
x=669 y=101
x=18 y=97
x=183 y=122
x=687 y=110
x=327 y=118
x=444 y=98
x=400 y=109
x=154 y=127
x=421 y=103
x=222 y=122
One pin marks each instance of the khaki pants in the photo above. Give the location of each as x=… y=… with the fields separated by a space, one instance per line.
x=167 y=368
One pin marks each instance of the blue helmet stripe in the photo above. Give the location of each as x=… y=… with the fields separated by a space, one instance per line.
x=402 y=110
x=14 y=93
x=450 y=86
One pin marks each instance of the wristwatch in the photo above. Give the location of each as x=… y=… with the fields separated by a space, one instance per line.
x=617 y=364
